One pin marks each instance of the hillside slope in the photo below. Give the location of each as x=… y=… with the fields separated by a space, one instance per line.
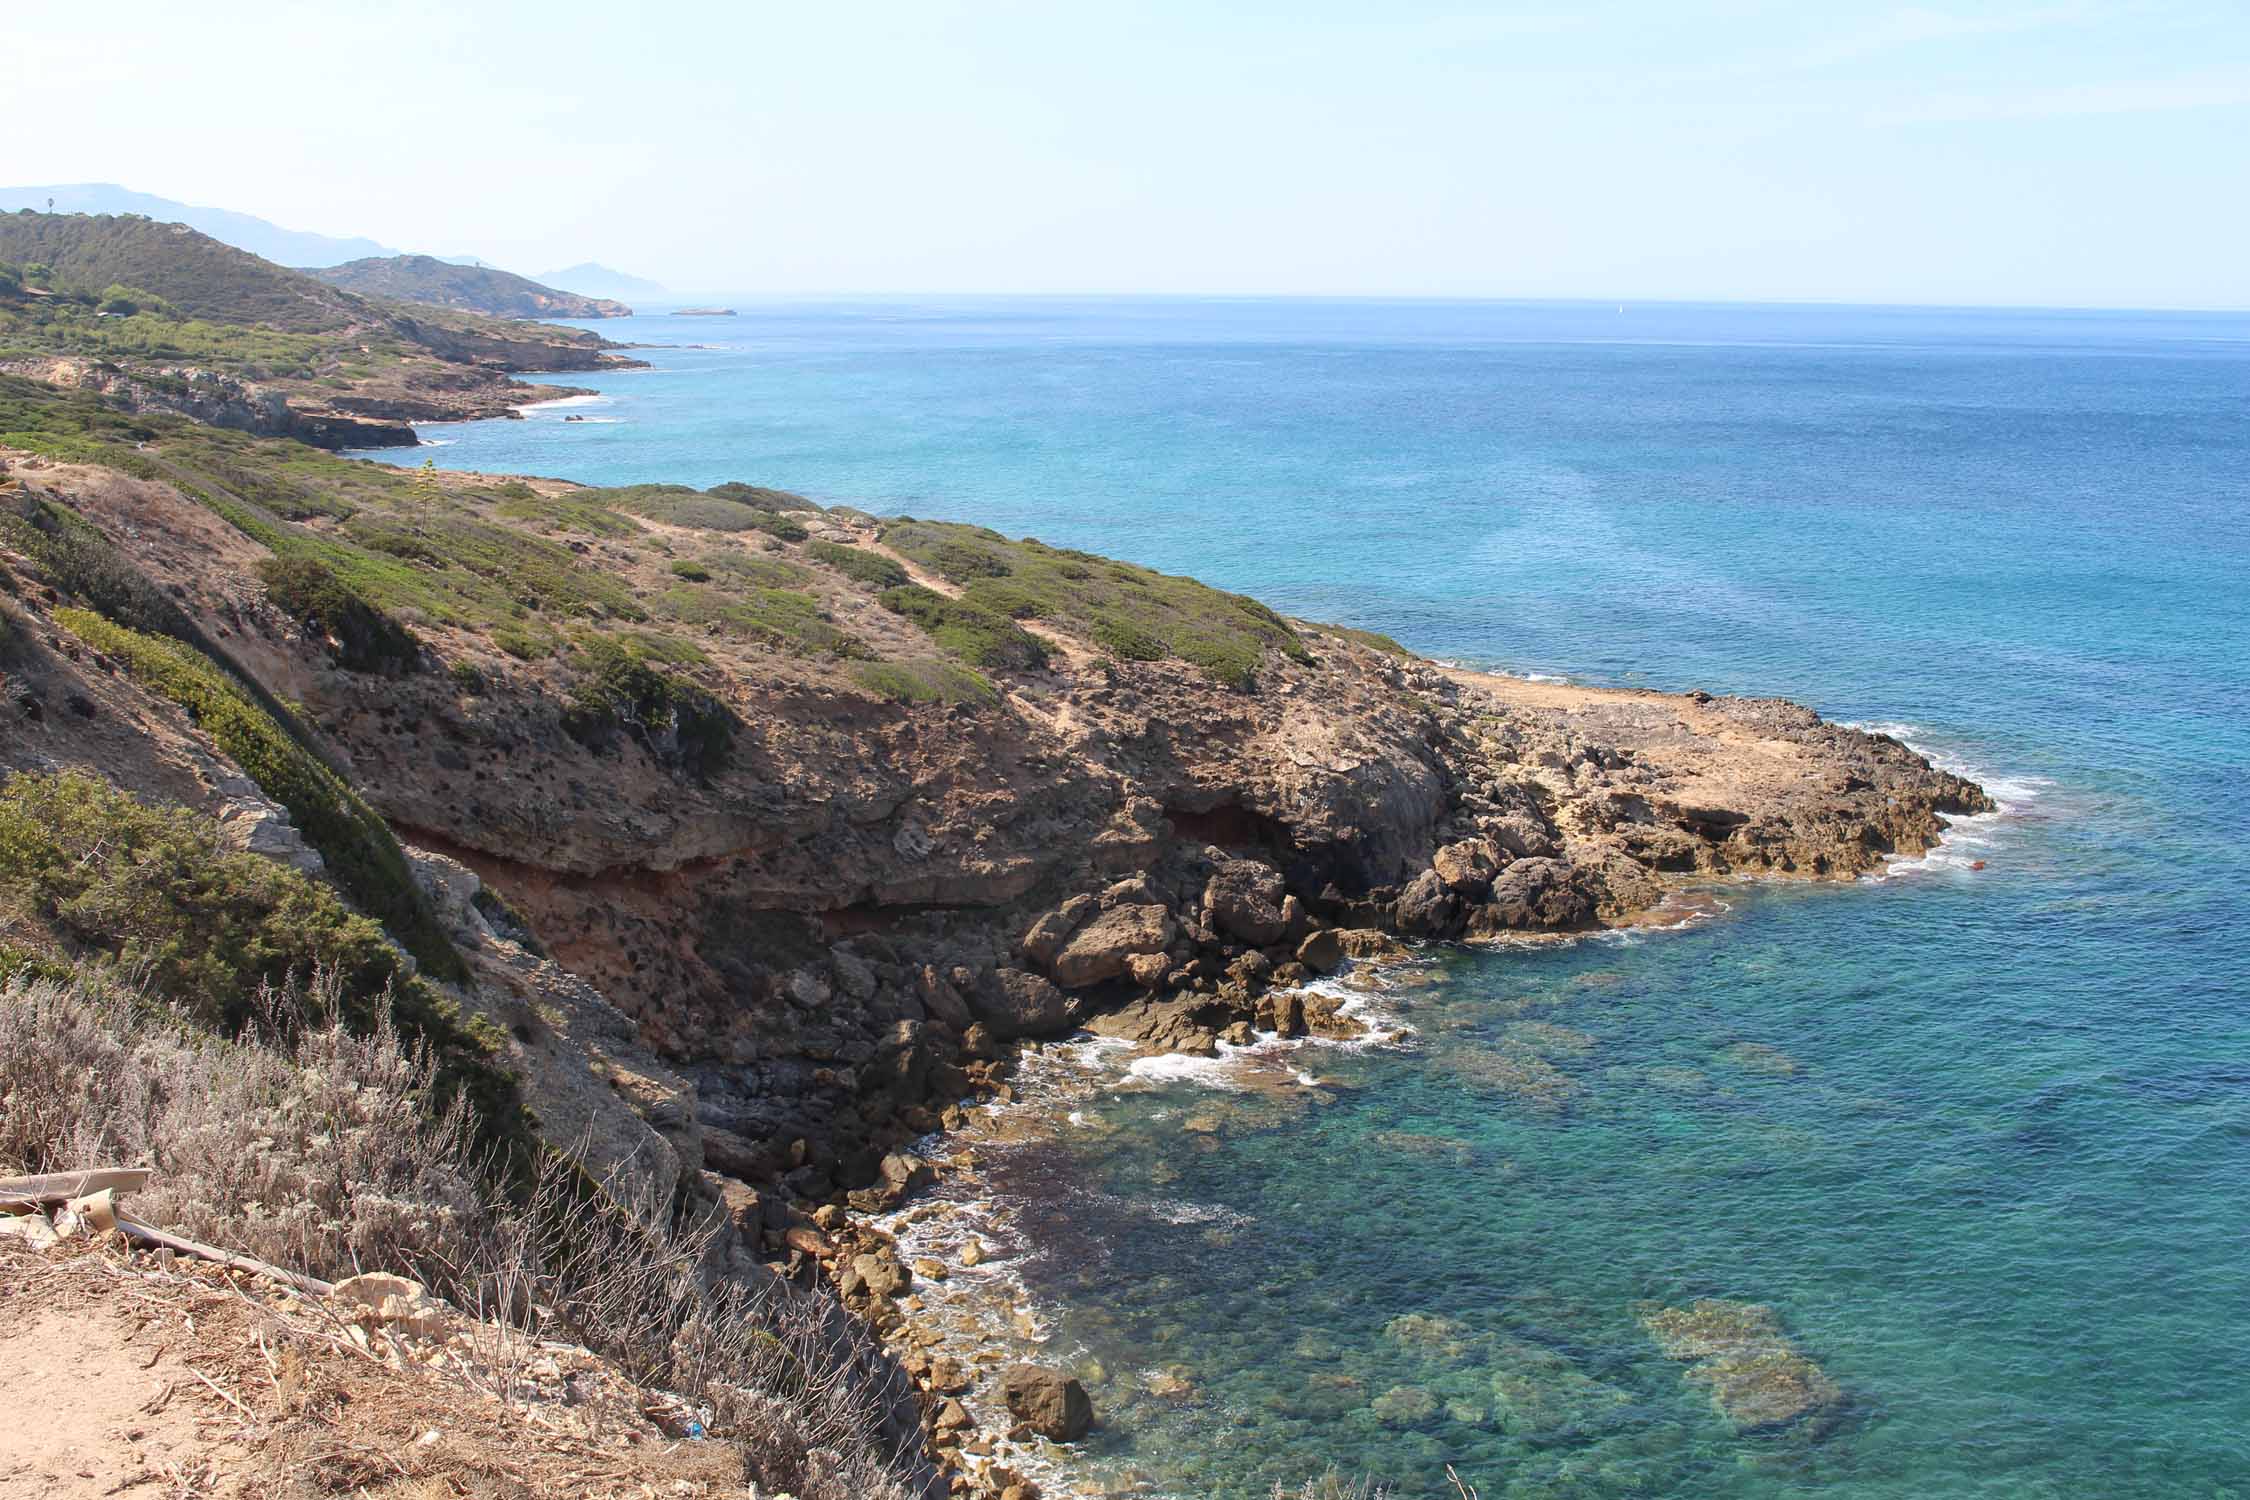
x=196 y=274
x=288 y=247
x=479 y=289
x=161 y=318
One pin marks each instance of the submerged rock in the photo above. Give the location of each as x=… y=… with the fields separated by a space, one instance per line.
x=1545 y=1398
x=1758 y=1380
x=1404 y=1406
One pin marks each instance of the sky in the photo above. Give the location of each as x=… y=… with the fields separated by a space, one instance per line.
x=2061 y=154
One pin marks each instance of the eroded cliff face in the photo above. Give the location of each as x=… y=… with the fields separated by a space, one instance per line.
x=216 y=398
x=830 y=937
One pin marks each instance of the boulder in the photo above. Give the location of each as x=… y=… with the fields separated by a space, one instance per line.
x=1282 y=1012
x=1322 y=951
x=1533 y=895
x=1519 y=835
x=1427 y=907
x=1048 y=935
x=1099 y=950
x=1467 y=868
x=942 y=1000
x=377 y=1298
x=1243 y=900
x=1368 y=942
x=1014 y=1003
x=1323 y=1016
x=1047 y=1401
x=1149 y=970
x=881 y=1275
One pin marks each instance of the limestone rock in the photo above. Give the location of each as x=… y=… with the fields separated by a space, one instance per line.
x=377 y=1298
x=1047 y=936
x=1018 y=1004
x=1322 y=951
x=1427 y=907
x=1533 y=895
x=1049 y=1402
x=1099 y=950
x=1243 y=900
x=1467 y=867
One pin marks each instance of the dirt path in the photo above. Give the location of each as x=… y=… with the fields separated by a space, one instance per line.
x=121 y=1376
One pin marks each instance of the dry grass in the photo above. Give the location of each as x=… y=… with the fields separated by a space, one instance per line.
x=309 y=1145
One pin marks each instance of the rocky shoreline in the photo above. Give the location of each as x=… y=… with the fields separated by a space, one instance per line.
x=758 y=982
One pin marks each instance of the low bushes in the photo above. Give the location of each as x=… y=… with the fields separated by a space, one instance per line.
x=1133 y=613
x=858 y=564
x=154 y=891
x=360 y=852
x=978 y=635
x=618 y=692
x=360 y=637
x=923 y=682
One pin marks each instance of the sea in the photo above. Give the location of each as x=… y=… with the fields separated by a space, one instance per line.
x=1977 y=1133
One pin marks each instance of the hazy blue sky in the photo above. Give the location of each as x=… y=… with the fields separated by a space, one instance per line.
x=2069 y=153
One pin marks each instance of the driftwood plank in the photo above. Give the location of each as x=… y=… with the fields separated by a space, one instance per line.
x=134 y=1229
x=61 y=1187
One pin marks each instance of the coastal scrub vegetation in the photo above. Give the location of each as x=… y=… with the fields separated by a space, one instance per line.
x=354 y=841
x=618 y=692
x=680 y=505
x=197 y=275
x=924 y=682
x=359 y=636
x=1131 y=612
x=861 y=566
x=983 y=637
x=154 y=890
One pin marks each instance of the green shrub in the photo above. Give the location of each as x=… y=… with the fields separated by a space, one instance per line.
x=1131 y=612
x=677 y=505
x=362 y=856
x=526 y=640
x=693 y=572
x=468 y=677
x=618 y=693
x=360 y=637
x=156 y=891
x=1123 y=638
x=859 y=564
x=765 y=572
x=980 y=636
x=779 y=616
x=1368 y=638
x=924 y=682
x=760 y=497
x=520 y=502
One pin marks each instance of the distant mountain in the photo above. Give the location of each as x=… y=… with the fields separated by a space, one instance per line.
x=438 y=283
x=600 y=281
x=288 y=247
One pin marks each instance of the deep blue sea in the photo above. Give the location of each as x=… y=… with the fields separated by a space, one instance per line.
x=1981 y=1138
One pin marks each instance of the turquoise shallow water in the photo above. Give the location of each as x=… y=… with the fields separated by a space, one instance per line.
x=1992 y=1168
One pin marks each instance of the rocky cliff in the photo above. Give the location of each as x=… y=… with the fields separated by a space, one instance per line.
x=832 y=921
x=761 y=832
